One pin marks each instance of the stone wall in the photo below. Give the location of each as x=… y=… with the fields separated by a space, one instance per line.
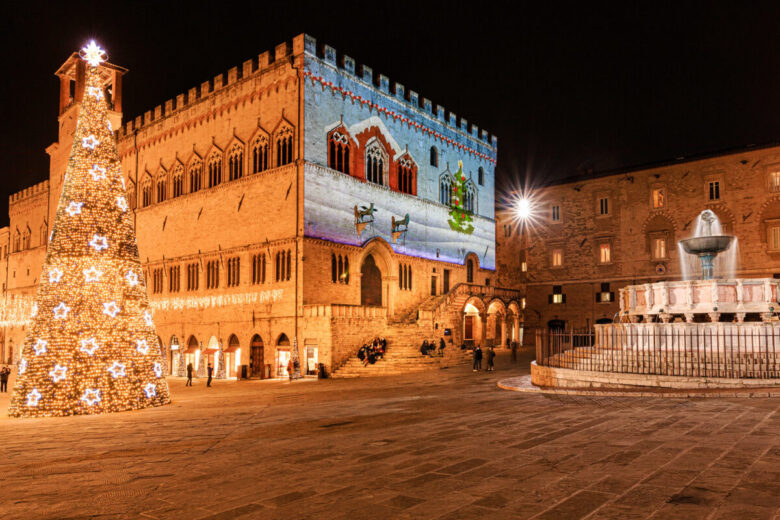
x=748 y=201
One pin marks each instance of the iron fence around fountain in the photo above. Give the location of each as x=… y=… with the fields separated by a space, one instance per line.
x=729 y=351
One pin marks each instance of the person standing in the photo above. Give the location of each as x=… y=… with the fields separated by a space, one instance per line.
x=491 y=355
x=290 y=369
x=210 y=371
x=477 y=358
x=441 y=347
x=4 y=373
x=189 y=375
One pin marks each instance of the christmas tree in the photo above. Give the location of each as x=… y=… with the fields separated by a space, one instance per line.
x=460 y=217
x=91 y=346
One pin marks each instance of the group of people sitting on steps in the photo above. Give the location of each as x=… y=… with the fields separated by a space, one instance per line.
x=372 y=351
x=429 y=349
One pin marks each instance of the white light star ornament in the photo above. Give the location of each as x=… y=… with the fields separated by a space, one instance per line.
x=117 y=370
x=121 y=203
x=33 y=397
x=40 y=347
x=142 y=346
x=148 y=318
x=89 y=346
x=92 y=274
x=99 y=243
x=111 y=308
x=95 y=92
x=91 y=396
x=61 y=311
x=157 y=369
x=90 y=142
x=150 y=390
x=98 y=172
x=93 y=54
x=58 y=373
x=55 y=275
x=34 y=311
x=132 y=278
x=74 y=208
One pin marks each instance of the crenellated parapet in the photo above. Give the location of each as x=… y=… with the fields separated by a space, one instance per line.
x=443 y=125
x=222 y=82
x=35 y=189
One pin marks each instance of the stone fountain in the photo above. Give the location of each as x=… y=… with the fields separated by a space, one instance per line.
x=716 y=331
x=707 y=245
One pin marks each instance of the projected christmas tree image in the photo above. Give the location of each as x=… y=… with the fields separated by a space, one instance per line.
x=91 y=346
x=460 y=217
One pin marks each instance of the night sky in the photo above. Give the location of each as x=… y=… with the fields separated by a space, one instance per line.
x=566 y=91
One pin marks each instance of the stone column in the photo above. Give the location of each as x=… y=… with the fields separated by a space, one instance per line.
x=483 y=319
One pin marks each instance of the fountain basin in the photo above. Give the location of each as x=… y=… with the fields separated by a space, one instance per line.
x=707 y=245
x=662 y=300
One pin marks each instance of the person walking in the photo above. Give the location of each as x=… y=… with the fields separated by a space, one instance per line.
x=290 y=369
x=441 y=347
x=490 y=355
x=4 y=373
x=477 y=358
x=189 y=375
x=210 y=371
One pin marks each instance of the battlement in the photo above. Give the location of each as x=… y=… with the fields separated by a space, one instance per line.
x=308 y=44
x=365 y=74
x=35 y=189
x=252 y=67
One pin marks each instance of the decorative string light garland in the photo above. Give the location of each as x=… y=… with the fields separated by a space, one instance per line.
x=91 y=345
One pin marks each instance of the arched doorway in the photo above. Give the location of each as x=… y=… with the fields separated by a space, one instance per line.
x=256 y=355
x=232 y=356
x=283 y=355
x=191 y=355
x=370 y=283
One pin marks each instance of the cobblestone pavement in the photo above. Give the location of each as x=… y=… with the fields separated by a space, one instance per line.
x=444 y=445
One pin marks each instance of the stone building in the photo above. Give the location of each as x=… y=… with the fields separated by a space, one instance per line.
x=299 y=199
x=589 y=237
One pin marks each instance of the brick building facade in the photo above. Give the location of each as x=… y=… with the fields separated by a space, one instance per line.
x=589 y=237
x=247 y=194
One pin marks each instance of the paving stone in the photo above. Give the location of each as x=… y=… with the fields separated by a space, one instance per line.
x=446 y=444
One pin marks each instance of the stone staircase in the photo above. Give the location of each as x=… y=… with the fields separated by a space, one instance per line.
x=403 y=355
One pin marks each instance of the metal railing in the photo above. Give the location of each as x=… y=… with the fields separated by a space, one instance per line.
x=727 y=351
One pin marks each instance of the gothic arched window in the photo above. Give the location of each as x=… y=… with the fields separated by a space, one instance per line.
x=284 y=146
x=469 y=198
x=376 y=162
x=338 y=148
x=445 y=189
x=161 y=187
x=178 y=182
x=215 y=169
x=196 y=175
x=406 y=175
x=260 y=154
x=236 y=162
x=146 y=192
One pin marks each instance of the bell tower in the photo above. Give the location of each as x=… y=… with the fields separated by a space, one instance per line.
x=72 y=76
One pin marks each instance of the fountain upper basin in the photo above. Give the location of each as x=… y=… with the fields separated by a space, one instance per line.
x=707 y=245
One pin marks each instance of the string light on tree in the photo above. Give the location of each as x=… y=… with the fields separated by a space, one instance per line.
x=73 y=209
x=101 y=352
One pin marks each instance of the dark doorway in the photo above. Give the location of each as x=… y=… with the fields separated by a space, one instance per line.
x=446 y=281
x=468 y=333
x=370 y=283
x=433 y=286
x=556 y=325
x=256 y=361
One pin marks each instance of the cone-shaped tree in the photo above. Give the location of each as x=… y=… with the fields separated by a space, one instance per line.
x=91 y=346
x=460 y=217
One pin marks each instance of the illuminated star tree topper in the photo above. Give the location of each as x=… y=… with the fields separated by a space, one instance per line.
x=91 y=346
